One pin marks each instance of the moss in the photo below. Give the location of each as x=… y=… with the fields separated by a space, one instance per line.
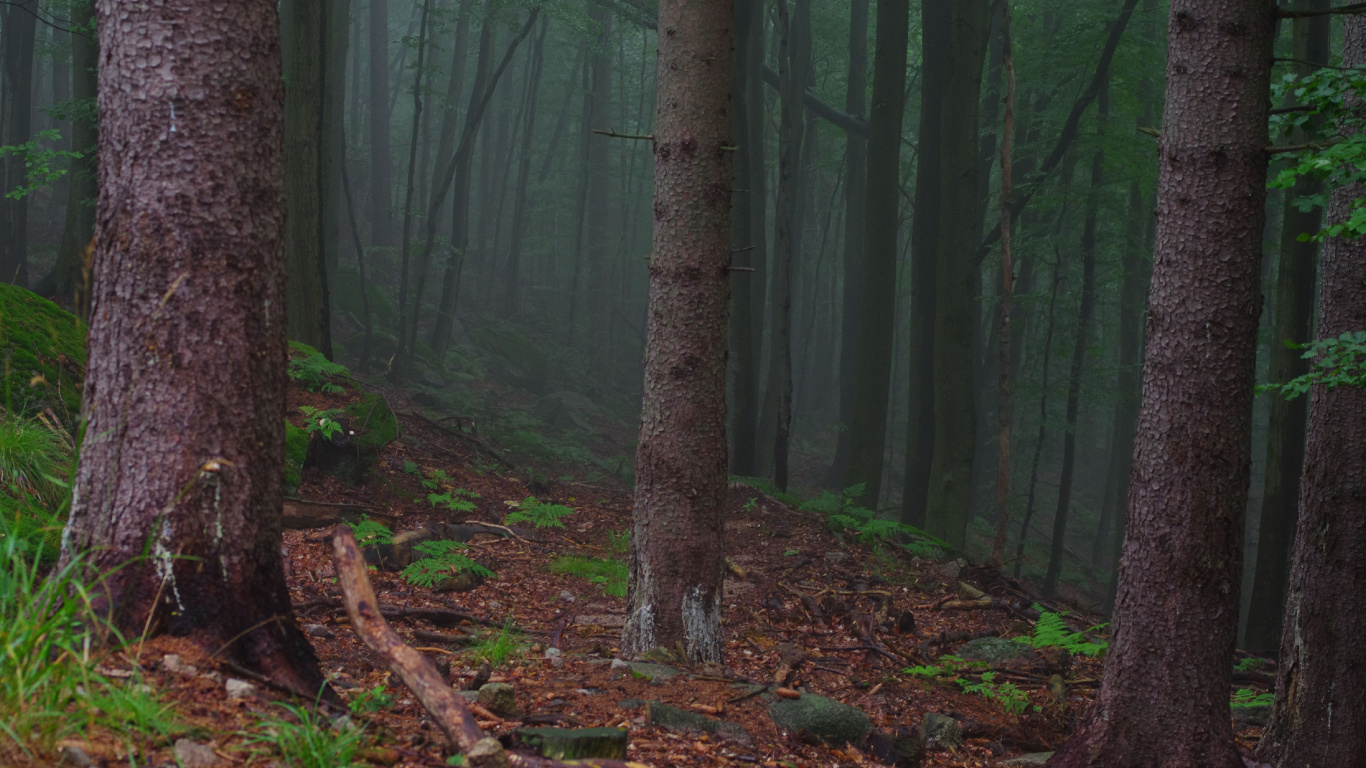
x=300 y=349
x=42 y=355
x=373 y=422
x=296 y=450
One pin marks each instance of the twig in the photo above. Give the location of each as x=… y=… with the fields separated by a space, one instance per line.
x=611 y=134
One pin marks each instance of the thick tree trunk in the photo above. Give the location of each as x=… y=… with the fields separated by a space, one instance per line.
x=1293 y=315
x=177 y=498
x=1163 y=699
x=872 y=380
x=674 y=593
x=18 y=33
x=856 y=165
x=381 y=181
x=949 y=499
x=1319 y=719
x=303 y=39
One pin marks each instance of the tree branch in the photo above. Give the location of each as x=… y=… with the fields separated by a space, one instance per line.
x=1287 y=13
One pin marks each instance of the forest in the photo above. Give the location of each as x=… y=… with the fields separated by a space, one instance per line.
x=683 y=382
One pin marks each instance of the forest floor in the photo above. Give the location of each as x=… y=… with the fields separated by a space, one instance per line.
x=853 y=616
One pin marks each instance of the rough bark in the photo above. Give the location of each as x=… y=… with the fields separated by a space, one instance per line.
x=185 y=386
x=1163 y=699
x=18 y=33
x=873 y=373
x=1319 y=718
x=381 y=164
x=674 y=591
x=949 y=499
x=407 y=321
x=1292 y=310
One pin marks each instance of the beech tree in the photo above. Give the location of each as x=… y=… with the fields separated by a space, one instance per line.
x=185 y=388
x=674 y=590
x=1163 y=699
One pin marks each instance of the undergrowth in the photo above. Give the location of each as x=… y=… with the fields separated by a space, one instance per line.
x=499 y=647
x=314 y=371
x=1051 y=632
x=307 y=739
x=443 y=559
x=974 y=677
x=842 y=514
x=538 y=513
x=609 y=575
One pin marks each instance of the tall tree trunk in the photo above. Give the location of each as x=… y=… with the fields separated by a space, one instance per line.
x=1318 y=718
x=336 y=48
x=856 y=164
x=18 y=33
x=303 y=38
x=381 y=173
x=936 y=24
x=1003 y=404
x=598 y=236
x=1292 y=318
x=748 y=239
x=178 y=493
x=68 y=281
x=1163 y=698
x=948 y=502
x=512 y=300
x=1030 y=495
x=883 y=193
x=407 y=320
x=1084 y=312
x=674 y=592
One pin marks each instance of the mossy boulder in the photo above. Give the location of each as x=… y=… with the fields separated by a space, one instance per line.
x=826 y=719
x=518 y=361
x=373 y=422
x=994 y=650
x=575 y=743
x=42 y=355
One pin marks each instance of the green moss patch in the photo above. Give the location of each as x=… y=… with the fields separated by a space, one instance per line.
x=42 y=355
x=373 y=422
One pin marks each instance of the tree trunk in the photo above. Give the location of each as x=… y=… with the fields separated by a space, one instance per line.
x=512 y=299
x=1318 y=719
x=18 y=33
x=674 y=592
x=303 y=35
x=1163 y=699
x=936 y=27
x=407 y=321
x=177 y=497
x=336 y=48
x=381 y=182
x=1003 y=404
x=70 y=274
x=856 y=163
x=949 y=499
x=1293 y=316
x=1031 y=494
x=868 y=432
x=598 y=237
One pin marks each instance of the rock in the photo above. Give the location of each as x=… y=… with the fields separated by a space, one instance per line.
x=651 y=672
x=966 y=591
x=172 y=662
x=239 y=689
x=631 y=704
x=938 y=730
x=830 y=721
x=575 y=743
x=683 y=721
x=318 y=630
x=1251 y=716
x=74 y=757
x=835 y=558
x=487 y=753
x=43 y=352
x=567 y=596
x=1033 y=758
x=499 y=698
x=951 y=569
x=192 y=754
x=368 y=424
x=458 y=582
x=555 y=656
x=994 y=650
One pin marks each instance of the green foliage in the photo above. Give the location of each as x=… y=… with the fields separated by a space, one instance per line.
x=538 y=513
x=42 y=165
x=321 y=421
x=411 y=468
x=308 y=739
x=954 y=669
x=497 y=648
x=618 y=542
x=313 y=370
x=1330 y=130
x=368 y=532
x=610 y=575
x=42 y=356
x=454 y=500
x=1250 y=664
x=137 y=713
x=1051 y=632
x=456 y=760
x=443 y=558
x=33 y=461
x=371 y=701
x=1336 y=362
x=296 y=452
x=766 y=486
x=1246 y=697
x=842 y=513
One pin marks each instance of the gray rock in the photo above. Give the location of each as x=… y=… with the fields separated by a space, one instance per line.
x=951 y=569
x=469 y=695
x=567 y=596
x=1033 y=758
x=826 y=719
x=994 y=650
x=239 y=689
x=683 y=721
x=555 y=656
x=835 y=558
x=631 y=704
x=75 y=757
x=938 y=730
x=487 y=753
x=172 y=662
x=651 y=672
x=1251 y=717
x=499 y=698
x=192 y=754
x=575 y=743
x=318 y=630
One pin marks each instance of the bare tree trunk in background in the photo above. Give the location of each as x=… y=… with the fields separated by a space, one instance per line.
x=336 y=48
x=513 y=297
x=1293 y=318
x=303 y=39
x=936 y=23
x=1003 y=405
x=381 y=173
x=1079 y=344
x=66 y=277
x=598 y=237
x=856 y=165
x=1319 y=718
x=18 y=33
x=177 y=497
x=407 y=321
x=949 y=499
x=1163 y=699
x=1043 y=418
x=873 y=375
x=748 y=214
x=674 y=593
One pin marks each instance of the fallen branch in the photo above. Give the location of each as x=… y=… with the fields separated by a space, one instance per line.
x=450 y=711
x=474 y=441
x=437 y=616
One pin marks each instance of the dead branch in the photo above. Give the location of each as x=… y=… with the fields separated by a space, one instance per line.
x=450 y=711
x=474 y=441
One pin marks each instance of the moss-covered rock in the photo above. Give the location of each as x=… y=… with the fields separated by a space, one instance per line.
x=575 y=743
x=373 y=422
x=826 y=719
x=42 y=355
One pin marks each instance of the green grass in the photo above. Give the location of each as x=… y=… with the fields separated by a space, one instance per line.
x=609 y=575
x=498 y=647
x=310 y=740
x=33 y=461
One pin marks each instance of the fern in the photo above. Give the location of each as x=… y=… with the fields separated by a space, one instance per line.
x=1246 y=697
x=314 y=372
x=844 y=515
x=538 y=513
x=1051 y=632
x=454 y=500
x=442 y=559
x=1008 y=695
x=368 y=532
